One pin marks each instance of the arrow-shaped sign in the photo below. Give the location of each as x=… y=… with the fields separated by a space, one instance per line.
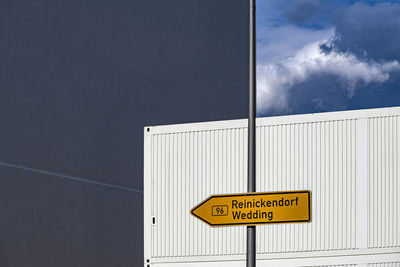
x=255 y=208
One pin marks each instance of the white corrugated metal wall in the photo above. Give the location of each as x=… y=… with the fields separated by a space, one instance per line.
x=319 y=157
x=384 y=182
x=320 y=154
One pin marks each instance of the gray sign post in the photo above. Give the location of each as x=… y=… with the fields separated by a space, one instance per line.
x=251 y=182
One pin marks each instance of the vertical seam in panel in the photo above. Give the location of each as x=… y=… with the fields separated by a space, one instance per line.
x=147 y=195
x=362 y=183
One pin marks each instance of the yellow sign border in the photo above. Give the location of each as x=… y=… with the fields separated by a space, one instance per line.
x=252 y=194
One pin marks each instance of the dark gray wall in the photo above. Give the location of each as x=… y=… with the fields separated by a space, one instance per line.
x=78 y=82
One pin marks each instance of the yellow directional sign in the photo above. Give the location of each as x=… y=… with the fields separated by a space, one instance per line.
x=255 y=208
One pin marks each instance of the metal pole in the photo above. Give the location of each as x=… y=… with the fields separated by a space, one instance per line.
x=251 y=182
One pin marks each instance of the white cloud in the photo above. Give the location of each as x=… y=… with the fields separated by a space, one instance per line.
x=275 y=80
x=275 y=44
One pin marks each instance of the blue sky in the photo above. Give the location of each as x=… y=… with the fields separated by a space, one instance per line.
x=318 y=55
